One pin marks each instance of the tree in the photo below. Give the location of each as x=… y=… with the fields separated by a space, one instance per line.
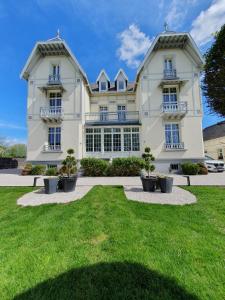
x=214 y=79
x=16 y=151
x=148 y=158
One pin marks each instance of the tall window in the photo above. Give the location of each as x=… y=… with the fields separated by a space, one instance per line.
x=55 y=70
x=131 y=139
x=172 y=133
x=121 y=85
x=103 y=113
x=54 y=138
x=103 y=86
x=93 y=140
x=121 y=111
x=55 y=102
x=169 y=95
x=112 y=139
x=168 y=64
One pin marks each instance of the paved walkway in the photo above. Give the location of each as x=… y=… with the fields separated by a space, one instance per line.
x=39 y=197
x=8 y=179
x=177 y=197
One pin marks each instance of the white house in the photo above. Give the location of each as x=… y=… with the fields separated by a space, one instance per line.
x=162 y=108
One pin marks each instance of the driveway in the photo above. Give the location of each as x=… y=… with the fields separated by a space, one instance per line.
x=12 y=178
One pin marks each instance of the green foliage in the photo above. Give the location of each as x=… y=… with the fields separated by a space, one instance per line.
x=202 y=169
x=148 y=159
x=129 y=166
x=94 y=166
x=38 y=170
x=14 y=151
x=190 y=168
x=51 y=172
x=214 y=79
x=69 y=164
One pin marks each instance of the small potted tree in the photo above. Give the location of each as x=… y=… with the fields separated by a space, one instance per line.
x=148 y=182
x=68 y=171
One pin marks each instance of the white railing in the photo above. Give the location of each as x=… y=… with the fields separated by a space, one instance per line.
x=170 y=74
x=112 y=117
x=52 y=112
x=51 y=148
x=174 y=107
x=54 y=79
x=174 y=146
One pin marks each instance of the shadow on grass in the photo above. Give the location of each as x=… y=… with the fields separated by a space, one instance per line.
x=108 y=281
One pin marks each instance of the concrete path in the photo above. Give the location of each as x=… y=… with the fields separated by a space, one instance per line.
x=8 y=179
x=39 y=197
x=177 y=197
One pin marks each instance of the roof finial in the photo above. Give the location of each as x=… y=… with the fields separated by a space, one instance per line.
x=166 y=27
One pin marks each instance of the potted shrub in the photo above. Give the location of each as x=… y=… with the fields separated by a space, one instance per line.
x=68 y=171
x=166 y=184
x=148 y=182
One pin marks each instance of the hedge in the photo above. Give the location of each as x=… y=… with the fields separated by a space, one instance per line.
x=94 y=166
x=190 y=168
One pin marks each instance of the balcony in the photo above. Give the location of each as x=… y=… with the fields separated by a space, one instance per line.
x=170 y=74
x=52 y=148
x=54 y=79
x=174 y=110
x=174 y=146
x=54 y=114
x=113 y=118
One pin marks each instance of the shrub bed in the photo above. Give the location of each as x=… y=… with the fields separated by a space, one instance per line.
x=38 y=170
x=94 y=166
x=130 y=166
x=190 y=168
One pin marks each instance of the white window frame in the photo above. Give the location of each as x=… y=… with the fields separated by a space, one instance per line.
x=179 y=132
x=100 y=86
x=118 y=85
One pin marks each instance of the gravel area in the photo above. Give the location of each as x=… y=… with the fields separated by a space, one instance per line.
x=39 y=197
x=178 y=196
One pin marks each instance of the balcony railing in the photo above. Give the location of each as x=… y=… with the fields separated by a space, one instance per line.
x=51 y=113
x=131 y=117
x=54 y=79
x=170 y=74
x=52 y=148
x=174 y=107
x=174 y=146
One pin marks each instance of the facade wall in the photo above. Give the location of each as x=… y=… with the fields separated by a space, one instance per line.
x=215 y=147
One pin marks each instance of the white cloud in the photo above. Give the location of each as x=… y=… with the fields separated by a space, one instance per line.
x=134 y=44
x=208 y=22
x=177 y=12
x=11 y=125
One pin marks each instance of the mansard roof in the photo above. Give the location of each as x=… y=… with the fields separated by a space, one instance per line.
x=112 y=87
x=103 y=72
x=55 y=46
x=121 y=71
x=169 y=40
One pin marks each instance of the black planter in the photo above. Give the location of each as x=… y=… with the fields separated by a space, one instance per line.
x=51 y=185
x=166 y=184
x=69 y=183
x=149 y=184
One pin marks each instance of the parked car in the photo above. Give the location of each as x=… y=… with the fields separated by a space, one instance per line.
x=214 y=165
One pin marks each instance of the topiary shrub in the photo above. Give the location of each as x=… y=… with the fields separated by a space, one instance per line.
x=202 y=169
x=129 y=166
x=148 y=159
x=38 y=170
x=51 y=172
x=94 y=166
x=69 y=164
x=190 y=168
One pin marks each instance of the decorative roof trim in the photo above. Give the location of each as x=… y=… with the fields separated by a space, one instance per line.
x=123 y=73
x=100 y=74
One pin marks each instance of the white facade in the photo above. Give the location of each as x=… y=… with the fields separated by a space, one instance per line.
x=161 y=109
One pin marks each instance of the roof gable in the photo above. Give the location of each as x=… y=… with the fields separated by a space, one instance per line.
x=121 y=71
x=103 y=73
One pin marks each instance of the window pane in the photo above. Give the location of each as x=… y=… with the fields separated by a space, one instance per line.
x=89 y=143
x=127 y=142
x=97 y=143
x=116 y=142
x=107 y=142
x=135 y=142
x=89 y=130
x=121 y=85
x=103 y=86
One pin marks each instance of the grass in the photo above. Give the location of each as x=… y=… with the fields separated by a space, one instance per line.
x=105 y=247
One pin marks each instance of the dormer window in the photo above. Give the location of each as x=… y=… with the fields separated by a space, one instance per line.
x=121 y=81
x=103 y=81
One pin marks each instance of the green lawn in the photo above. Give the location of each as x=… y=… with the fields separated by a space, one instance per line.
x=105 y=247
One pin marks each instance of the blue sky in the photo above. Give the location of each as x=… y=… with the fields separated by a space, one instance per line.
x=102 y=34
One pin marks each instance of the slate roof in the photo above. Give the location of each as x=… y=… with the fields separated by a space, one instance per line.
x=112 y=88
x=214 y=131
